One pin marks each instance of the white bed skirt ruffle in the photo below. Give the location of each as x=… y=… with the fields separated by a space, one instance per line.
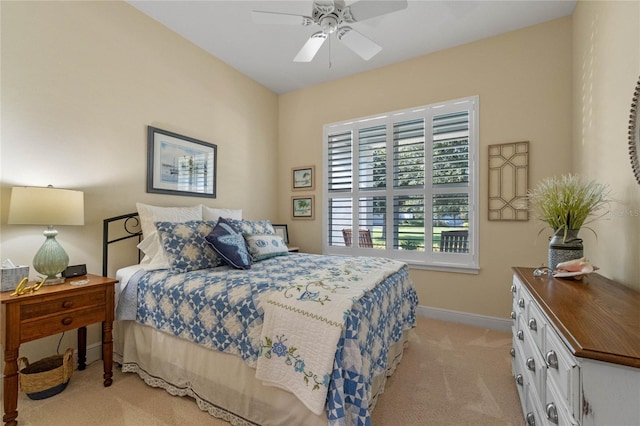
x=222 y=384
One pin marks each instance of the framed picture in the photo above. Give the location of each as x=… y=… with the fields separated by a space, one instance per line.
x=283 y=232
x=302 y=207
x=179 y=165
x=303 y=178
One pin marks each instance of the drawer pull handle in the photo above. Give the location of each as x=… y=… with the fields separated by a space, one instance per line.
x=67 y=304
x=520 y=334
x=531 y=364
x=513 y=352
x=533 y=325
x=521 y=303
x=552 y=359
x=531 y=419
x=552 y=412
x=513 y=288
x=67 y=320
x=513 y=315
x=519 y=379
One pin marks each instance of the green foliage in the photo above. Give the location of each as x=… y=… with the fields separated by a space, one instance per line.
x=568 y=202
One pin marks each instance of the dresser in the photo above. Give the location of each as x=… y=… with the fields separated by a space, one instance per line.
x=576 y=350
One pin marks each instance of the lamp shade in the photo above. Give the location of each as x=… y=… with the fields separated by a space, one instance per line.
x=46 y=206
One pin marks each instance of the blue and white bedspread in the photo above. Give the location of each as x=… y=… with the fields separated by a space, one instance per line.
x=223 y=309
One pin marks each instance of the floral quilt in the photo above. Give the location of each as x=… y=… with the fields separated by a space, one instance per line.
x=223 y=309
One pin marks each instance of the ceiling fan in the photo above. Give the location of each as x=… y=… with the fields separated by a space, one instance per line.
x=332 y=16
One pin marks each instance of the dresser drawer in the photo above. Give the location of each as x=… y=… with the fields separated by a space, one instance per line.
x=534 y=364
x=555 y=408
x=30 y=330
x=536 y=324
x=563 y=371
x=61 y=304
x=533 y=412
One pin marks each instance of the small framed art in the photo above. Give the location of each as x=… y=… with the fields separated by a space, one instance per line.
x=302 y=207
x=180 y=165
x=302 y=178
x=283 y=232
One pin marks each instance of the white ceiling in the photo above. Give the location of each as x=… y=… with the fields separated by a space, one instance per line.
x=265 y=53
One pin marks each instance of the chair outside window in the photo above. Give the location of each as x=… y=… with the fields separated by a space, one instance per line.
x=364 y=238
x=454 y=241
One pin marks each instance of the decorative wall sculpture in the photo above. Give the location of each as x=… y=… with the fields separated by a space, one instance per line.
x=508 y=181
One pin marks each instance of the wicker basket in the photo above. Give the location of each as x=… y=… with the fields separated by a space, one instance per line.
x=46 y=377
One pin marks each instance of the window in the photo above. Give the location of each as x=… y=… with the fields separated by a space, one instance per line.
x=407 y=182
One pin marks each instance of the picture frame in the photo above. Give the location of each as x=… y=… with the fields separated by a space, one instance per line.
x=180 y=165
x=283 y=232
x=303 y=178
x=302 y=207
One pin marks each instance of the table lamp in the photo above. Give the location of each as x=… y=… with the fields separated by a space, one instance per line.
x=47 y=206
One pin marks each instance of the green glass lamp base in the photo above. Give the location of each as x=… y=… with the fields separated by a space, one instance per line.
x=51 y=259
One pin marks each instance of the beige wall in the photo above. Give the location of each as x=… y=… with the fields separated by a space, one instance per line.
x=523 y=80
x=606 y=63
x=80 y=83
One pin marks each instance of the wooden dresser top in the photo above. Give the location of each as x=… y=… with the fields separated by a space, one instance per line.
x=597 y=318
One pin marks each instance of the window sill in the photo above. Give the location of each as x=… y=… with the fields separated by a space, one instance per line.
x=444 y=268
x=475 y=270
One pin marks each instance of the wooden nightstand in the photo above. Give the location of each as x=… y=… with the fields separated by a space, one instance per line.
x=51 y=310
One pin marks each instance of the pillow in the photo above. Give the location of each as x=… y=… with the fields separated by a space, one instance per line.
x=229 y=245
x=151 y=214
x=210 y=213
x=154 y=257
x=185 y=246
x=251 y=227
x=265 y=246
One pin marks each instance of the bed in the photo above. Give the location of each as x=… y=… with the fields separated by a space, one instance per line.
x=293 y=338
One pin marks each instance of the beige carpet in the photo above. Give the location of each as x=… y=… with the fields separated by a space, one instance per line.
x=451 y=374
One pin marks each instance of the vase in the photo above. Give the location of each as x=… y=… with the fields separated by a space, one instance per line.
x=563 y=248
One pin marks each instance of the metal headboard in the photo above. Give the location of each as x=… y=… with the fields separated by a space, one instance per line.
x=129 y=226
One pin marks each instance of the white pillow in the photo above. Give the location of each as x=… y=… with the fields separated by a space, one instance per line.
x=151 y=245
x=209 y=213
x=154 y=257
x=151 y=214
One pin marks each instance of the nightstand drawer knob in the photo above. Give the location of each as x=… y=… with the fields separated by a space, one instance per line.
x=520 y=334
x=67 y=304
x=533 y=325
x=513 y=352
x=67 y=320
x=521 y=303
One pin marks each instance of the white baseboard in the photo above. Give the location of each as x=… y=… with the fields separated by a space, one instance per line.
x=94 y=353
x=494 y=323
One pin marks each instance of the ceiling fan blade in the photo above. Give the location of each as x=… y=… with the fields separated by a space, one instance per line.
x=260 y=17
x=367 y=9
x=311 y=47
x=361 y=45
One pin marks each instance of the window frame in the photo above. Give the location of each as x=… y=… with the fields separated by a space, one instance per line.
x=427 y=259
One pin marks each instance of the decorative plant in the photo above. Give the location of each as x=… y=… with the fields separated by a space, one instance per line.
x=569 y=202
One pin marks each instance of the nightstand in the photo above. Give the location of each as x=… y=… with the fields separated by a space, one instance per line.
x=52 y=310
x=294 y=249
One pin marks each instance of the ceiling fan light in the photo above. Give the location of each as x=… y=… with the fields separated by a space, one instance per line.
x=329 y=24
